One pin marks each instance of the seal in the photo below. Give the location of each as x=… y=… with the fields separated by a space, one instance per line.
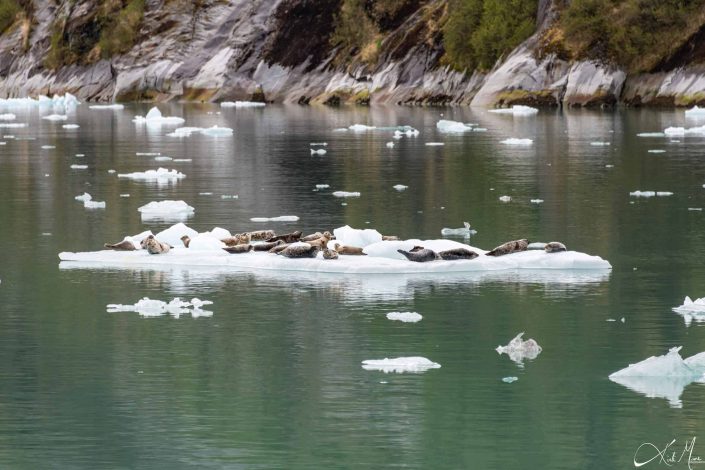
x=510 y=247
x=313 y=236
x=457 y=253
x=348 y=250
x=186 y=240
x=280 y=247
x=266 y=246
x=233 y=250
x=286 y=238
x=303 y=250
x=329 y=254
x=154 y=246
x=237 y=239
x=420 y=256
x=125 y=245
x=555 y=247
x=321 y=242
x=261 y=235
x=390 y=238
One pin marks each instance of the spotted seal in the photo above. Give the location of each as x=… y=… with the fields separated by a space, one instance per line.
x=329 y=254
x=154 y=246
x=233 y=250
x=237 y=239
x=390 y=238
x=514 y=246
x=419 y=254
x=457 y=253
x=348 y=250
x=555 y=247
x=261 y=235
x=186 y=240
x=266 y=246
x=286 y=238
x=278 y=248
x=302 y=250
x=125 y=245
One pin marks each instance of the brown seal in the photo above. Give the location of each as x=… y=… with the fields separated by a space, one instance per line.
x=390 y=238
x=313 y=236
x=154 y=246
x=348 y=250
x=261 y=235
x=555 y=247
x=286 y=238
x=237 y=239
x=421 y=255
x=266 y=246
x=457 y=253
x=279 y=248
x=233 y=250
x=329 y=254
x=186 y=240
x=125 y=245
x=510 y=247
x=303 y=250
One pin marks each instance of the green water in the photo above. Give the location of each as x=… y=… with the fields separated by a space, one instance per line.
x=274 y=379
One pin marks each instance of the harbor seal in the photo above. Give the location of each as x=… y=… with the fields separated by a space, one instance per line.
x=457 y=253
x=390 y=238
x=303 y=250
x=237 y=239
x=125 y=245
x=266 y=246
x=419 y=254
x=261 y=235
x=321 y=242
x=349 y=250
x=280 y=247
x=329 y=254
x=233 y=250
x=514 y=246
x=154 y=246
x=286 y=238
x=313 y=236
x=555 y=247
x=186 y=240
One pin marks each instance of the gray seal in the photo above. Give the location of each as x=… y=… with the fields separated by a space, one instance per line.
x=329 y=254
x=266 y=246
x=233 y=250
x=419 y=254
x=555 y=247
x=286 y=238
x=125 y=245
x=514 y=246
x=457 y=253
x=154 y=246
x=300 y=251
x=261 y=235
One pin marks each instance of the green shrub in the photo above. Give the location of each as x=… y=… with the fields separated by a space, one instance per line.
x=121 y=29
x=8 y=12
x=353 y=27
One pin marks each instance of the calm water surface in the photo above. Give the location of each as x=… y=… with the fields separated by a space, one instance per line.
x=273 y=379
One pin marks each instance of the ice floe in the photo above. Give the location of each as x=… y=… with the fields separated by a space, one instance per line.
x=281 y=218
x=452 y=127
x=161 y=175
x=516 y=110
x=412 y=364
x=147 y=307
x=406 y=317
x=515 y=141
x=518 y=349
x=400 y=187
x=107 y=106
x=166 y=210
x=662 y=376
x=505 y=198
x=154 y=117
x=346 y=194
x=465 y=231
x=692 y=310
x=89 y=203
x=55 y=117
x=242 y=104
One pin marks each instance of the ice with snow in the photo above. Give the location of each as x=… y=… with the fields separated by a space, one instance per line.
x=412 y=364
x=166 y=210
x=516 y=110
x=406 y=317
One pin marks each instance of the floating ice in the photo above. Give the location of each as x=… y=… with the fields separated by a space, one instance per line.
x=361 y=128
x=509 y=380
x=12 y=125
x=107 y=106
x=70 y=126
x=55 y=117
x=216 y=131
x=322 y=186
x=400 y=364
x=161 y=175
x=465 y=231
x=692 y=310
x=173 y=234
x=656 y=151
x=349 y=236
x=323 y=144
x=7 y=117
x=390 y=145
x=147 y=154
x=682 y=132
x=318 y=152
x=516 y=110
x=664 y=193
x=536 y=201
x=662 y=376
x=147 y=307
x=505 y=198
x=125 y=195
x=651 y=134
x=515 y=141
x=281 y=218
x=695 y=111
x=84 y=197
x=163 y=158
x=154 y=117
x=600 y=144
x=695 y=208
x=406 y=317
x=400 y=187
x=48 y=147
x=111 y=171
x=346 y=194
x=229 y=196
x=518 y=349
x=78 y=167
x=166 y=210
x=66 y=102
x=434 y=144
x=94 y=204
x=643 y=193
x=242 y=104
x=179 y=160
x=452 y=127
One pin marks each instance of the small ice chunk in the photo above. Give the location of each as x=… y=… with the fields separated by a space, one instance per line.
x=674 y=131
x=465 y=231
x=94 y=204
x=318 y=152
x=12 y=125
x=695 y=208
x=230 y=196
x=154 y=117
x=147 y=307
x=609 y=166
x=412 y=364
x=651 y=134
x=390 y=145
x=55 y=117
x=205 y=194
x=242 y=104
x=322 y=186
x=643 y=193
x=400 y=187
x=406 y=317
x=515 y=141
x=320 y=144
x=600 y=144
x=48 y=147
x=216 y=131
x=656 y=151
x=107 y=106
x=281 y=218
x=7 y=117
x=434 y=144
x=346 y=194
x=84 y=197
x=516 y=110
x=147 y=154
x=78 y=167
x=80 y=155
x=162 y=159
x=361 y=128
x=518 y=349
x=505 y=198
x=536 y=201
x=111 y=171
x=664 y=193
x=70 y=126
x=692 y=310
x=452 y=127
x=161 y=175
x=125 y=195
x=166 y=210
x=179 y=160
x=509 y=380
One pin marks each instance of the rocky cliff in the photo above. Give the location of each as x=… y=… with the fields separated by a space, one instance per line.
x=283 y=51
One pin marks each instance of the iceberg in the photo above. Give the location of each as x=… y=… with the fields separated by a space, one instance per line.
x=166 y=210
x=281 y=218
x=242 y=104
x=452 y=127
x=161 y=175
x=515 y=141
x=154 y=117
x=412 y=364
x=345 y=194
x=405 y=317
x=518 y=349
x=516 y=110
x=692 y=310
x=349 y=236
